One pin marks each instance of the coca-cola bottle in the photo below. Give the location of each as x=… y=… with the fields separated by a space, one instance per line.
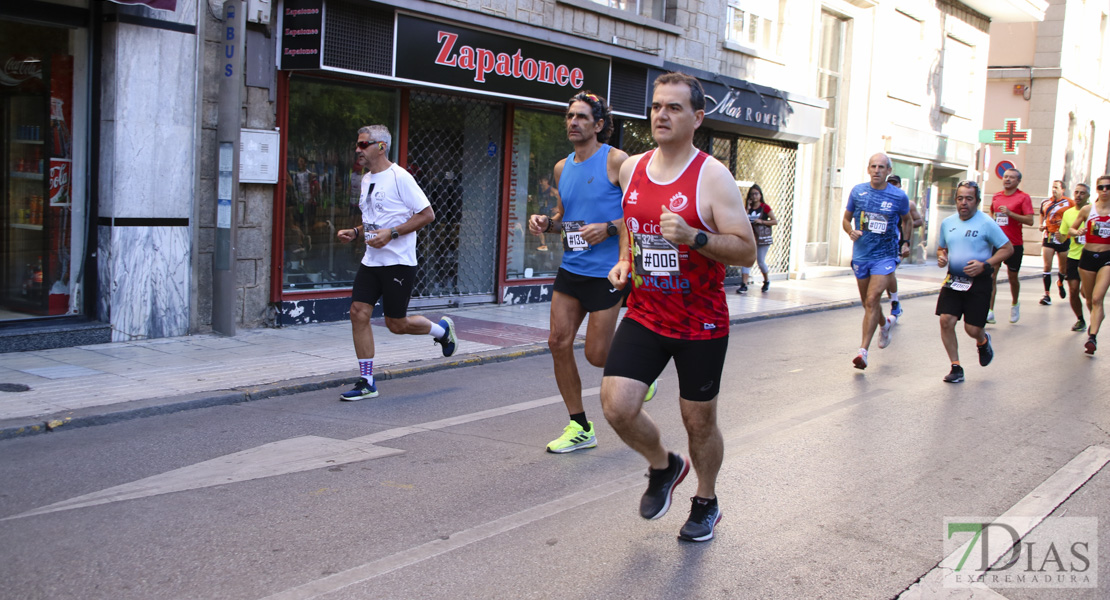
x=59 y=129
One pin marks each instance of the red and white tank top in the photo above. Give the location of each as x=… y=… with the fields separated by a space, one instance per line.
x=676 y=292
x=1098 y=227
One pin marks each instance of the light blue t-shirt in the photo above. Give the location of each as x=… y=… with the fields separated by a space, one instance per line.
x=878 y=214
x=974 y=239
x=589 y=197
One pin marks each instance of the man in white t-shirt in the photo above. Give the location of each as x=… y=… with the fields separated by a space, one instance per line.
x=393 y=208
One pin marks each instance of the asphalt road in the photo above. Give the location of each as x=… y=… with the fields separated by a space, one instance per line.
x=836 y=483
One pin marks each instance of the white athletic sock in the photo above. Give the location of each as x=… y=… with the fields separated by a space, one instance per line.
x=366 y=369
x=437 y=331
x=894 y=297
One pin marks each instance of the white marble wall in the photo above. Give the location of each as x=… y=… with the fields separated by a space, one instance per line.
x=146 y=271
x=147 y=171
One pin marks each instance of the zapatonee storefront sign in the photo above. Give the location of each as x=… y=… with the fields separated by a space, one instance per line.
x=450 y=55
x=302 y=23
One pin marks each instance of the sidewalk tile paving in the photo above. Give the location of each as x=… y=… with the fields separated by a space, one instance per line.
x=103 y=382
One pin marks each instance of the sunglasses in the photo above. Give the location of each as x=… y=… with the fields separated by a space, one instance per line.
x=1102 y=188
x=365 y=145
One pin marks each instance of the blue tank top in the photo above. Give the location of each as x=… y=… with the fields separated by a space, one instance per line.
x=589 y=197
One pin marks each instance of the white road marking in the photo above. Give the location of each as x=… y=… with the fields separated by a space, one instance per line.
x=458 y=540
x=279 y=458
x=412 y=556
x=1023 y=517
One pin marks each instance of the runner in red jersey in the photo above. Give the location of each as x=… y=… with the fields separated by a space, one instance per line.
x=684 y=220
x=1011 y=209
x=676 y=294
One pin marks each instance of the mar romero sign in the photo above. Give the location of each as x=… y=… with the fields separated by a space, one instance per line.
x=465 y=58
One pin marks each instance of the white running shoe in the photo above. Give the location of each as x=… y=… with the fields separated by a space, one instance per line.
x=886 y=332
x=1015 y=313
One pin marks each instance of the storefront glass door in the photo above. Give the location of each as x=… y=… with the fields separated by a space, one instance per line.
x=41 y=248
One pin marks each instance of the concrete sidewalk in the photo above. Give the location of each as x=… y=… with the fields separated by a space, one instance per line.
x=90 y=385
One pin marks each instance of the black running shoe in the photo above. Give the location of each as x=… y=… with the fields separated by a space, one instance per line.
x=1063 y=292
x=704 y=516
x=1090 y=345
x=361 y=391
x=743 y=289
x=661 y=484
x=1046 y=301
x=766 y=286
x=986 y=353
x=955 y=376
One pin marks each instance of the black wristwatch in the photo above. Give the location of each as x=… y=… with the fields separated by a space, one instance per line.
x=611 y=229
x=393 y=234
x=701 y=239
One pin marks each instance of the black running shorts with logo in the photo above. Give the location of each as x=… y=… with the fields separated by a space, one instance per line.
x=594 y=293
x=392 y=285
x=1093 y=261
x=1013 y=263
x=641 y=354
x=1073 y=269
x=1056 y=247
x=973 y=305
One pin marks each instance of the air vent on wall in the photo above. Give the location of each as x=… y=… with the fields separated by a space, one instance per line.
x=359 y=38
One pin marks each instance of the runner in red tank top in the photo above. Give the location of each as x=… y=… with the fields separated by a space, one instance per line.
x=683 y=221
x=1094 y=263
x=677 y=292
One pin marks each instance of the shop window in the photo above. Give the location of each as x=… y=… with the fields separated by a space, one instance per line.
x=652 y=9
x=753 y=24
x=908 y=70
x=39 y=267
x=539 y=141
x=958 y=77
x=323 y=178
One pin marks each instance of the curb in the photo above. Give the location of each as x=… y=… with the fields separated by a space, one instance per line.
x=138 y=409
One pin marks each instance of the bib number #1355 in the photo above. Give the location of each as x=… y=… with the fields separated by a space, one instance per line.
x=572 y=237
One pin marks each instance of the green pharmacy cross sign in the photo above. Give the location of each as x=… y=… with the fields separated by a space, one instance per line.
x=1010 y=136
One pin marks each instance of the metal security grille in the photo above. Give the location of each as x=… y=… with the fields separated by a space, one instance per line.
x=635 y=137
x=358 y=37
x=454 y=154
x=771 y=165
x=628 y=92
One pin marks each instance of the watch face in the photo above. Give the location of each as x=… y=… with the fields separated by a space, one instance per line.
x=611 y=229
x=701 y=239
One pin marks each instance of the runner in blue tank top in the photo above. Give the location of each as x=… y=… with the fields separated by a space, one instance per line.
x=586 y=215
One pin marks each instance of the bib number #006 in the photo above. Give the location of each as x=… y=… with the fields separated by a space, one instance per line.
x=654 y=255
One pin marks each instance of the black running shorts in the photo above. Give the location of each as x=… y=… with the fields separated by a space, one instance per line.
x=973 y=305
x=1056 y=247
x=593 y=293
x=641 y=354
x=1073 y=269
x=1093 y=261
x=1013 y=264
x=392 y=285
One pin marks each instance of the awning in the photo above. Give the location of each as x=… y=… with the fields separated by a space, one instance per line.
x=170 y=5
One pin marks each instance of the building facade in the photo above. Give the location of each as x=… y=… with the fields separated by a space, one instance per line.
x=113 y=220
x=1052 y=79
